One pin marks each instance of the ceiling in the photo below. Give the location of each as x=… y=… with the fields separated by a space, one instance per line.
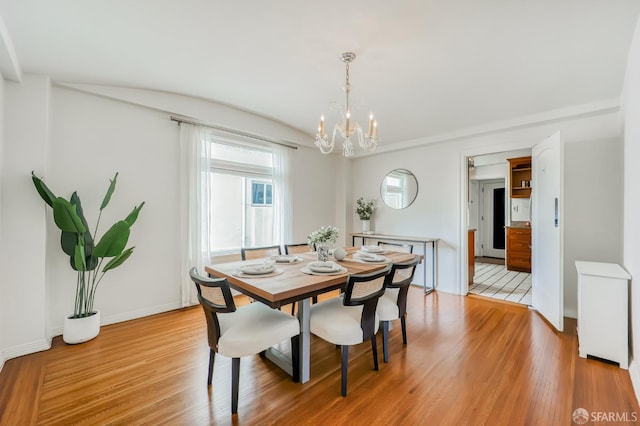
x=425 y=68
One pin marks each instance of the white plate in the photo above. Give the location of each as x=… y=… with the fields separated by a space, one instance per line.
x=372 y=249
x=287 y=258
x=257 y=269
x=323 y=266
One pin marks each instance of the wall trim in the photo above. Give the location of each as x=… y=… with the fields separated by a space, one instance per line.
x=602 y=107
x=634 y=374
x=127 y=316
x=26 y=349
x=9 y=65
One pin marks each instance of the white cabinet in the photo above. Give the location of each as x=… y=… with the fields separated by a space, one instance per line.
x=603 y=311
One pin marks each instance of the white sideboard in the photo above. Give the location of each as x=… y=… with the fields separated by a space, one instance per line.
x=603 y=311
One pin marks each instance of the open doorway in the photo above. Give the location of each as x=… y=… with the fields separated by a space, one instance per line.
x=488 y=215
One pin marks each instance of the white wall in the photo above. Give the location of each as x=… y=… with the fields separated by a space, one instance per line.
x=2 y=298
x=441 y=203
x=631 y=248
x=593 y=202
x=23 y=290
x=91 y=137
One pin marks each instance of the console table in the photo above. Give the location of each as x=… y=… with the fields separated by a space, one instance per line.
x=433 y=242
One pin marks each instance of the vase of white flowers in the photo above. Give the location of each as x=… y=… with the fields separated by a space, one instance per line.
x=321 y=238
x=365 y=210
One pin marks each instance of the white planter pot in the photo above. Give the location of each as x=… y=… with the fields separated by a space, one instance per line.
x=80 y=330
x=366 y=225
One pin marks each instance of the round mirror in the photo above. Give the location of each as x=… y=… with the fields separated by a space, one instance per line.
x=399 y=189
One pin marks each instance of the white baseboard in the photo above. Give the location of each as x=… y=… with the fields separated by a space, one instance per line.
x=25 y=349
x=571 y=313
x=126 y=316
x=2 y=360
x=634 y=373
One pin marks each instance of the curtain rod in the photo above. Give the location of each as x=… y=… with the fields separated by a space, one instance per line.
x=234 y=132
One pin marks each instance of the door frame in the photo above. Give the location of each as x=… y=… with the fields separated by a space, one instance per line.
x=463 y=214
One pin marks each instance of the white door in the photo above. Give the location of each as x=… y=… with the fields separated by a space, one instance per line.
x=547 y=230
x=493 y=238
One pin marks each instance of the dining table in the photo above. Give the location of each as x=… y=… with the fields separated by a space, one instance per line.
x=292 y=281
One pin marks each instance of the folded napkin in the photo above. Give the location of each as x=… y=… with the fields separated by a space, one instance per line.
x=285 y=259
x=368 y=256
x=372 y=249
x=257 y=269
x=328 y=266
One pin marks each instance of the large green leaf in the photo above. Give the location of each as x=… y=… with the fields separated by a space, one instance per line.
x=133 y=216
x=90 y=264
x=43 y=190
x=78 y=257
x=107 y=196
x=68 y=240
x=118 y=260
x=66 y=217
x=113 y=241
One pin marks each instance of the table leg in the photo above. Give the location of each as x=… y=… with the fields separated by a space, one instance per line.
x=304 y=307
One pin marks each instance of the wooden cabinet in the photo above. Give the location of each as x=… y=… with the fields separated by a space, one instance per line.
x=519 y=249
x=520 y=177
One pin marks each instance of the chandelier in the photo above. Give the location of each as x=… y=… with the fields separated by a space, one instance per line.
x=347 y=127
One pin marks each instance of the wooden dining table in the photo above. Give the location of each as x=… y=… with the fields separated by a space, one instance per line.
x=290 y=285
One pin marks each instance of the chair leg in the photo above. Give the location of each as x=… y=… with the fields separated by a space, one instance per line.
x=295 y=358
x=212 y=358
x=374 y=349
x=385 y=341
x=404 y=329
x=235 y=384
x=345 y=362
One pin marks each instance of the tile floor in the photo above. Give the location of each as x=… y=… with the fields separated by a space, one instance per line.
x=496 y=282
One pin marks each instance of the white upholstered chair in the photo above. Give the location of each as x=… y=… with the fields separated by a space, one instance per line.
x=351 y=319
x=393 y=303
x=247 y=330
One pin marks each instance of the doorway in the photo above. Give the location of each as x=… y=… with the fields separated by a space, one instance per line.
x=489 y=211
x=492 y=218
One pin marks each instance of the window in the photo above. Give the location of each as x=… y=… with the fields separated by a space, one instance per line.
x=261 y=194
x=241 y=202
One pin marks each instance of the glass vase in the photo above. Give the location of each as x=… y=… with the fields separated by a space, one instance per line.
x=322 y=249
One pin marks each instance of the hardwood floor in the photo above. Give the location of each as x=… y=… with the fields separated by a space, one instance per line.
x=468 y=361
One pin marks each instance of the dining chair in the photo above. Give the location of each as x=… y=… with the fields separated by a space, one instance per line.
x=298 y=248
x=352 y=318
x=408 y=248
x=259 y=252
x=243 y=331
x=393 y=303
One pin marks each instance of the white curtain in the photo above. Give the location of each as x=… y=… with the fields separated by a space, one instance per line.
x=282 y=217
x=195 y=215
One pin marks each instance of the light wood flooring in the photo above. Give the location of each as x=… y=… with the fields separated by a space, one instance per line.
x=469 y=361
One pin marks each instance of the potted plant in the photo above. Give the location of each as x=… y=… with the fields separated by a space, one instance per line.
x=364 y=211
x=321 y=238
x=86 y=257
